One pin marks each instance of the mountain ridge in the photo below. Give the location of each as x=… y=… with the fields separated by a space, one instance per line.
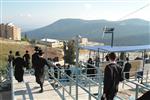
x=92 y=29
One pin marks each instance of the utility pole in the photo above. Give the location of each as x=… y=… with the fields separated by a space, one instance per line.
x=110 y=30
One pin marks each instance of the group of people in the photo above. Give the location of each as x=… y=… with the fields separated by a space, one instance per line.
x=19 y=63
x=38 y=63
x=112 y=73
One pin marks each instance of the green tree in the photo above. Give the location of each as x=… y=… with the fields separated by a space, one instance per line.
x=25 y=38
x=70 y=52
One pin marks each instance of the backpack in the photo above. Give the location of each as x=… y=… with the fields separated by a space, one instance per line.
x=119 y=70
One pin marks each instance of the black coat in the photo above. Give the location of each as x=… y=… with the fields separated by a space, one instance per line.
x=90 y=69
x=35 y=59
x=127 y=68
x=26 y=58
x=112 y=77
x=39 y=70
x=18 y=65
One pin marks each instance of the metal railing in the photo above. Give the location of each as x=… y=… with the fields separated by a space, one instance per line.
x=64 y=89
x=8 y=79
x=4 y=77
x=86 y=85
x=71 y=80
x=138 y=85
x=11 y=78
x=145 y=77
x=76 y=81
x=135 y=81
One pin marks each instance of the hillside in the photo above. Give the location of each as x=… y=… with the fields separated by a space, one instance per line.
x=92 y=29
x=7 y=45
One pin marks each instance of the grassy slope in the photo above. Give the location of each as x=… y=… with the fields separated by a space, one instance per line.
x=7 y=45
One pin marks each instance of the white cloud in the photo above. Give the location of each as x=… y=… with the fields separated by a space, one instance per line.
x=29 y=15
x=87 y=6
x=25 y=15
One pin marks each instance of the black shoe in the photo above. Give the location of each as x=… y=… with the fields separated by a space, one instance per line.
x=41 y=91
x=56 y=85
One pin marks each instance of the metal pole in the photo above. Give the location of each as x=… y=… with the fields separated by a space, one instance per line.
x=64 y=52
x=63 y=94
x=137 y=91
x=12 y=87
x=77 y=50
x=147 y=76
x=46 y=45
x=112 y=39
x=89 y=91
x=70 y=86
x=77 y=60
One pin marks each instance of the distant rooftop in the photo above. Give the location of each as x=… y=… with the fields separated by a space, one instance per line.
x=49 y=40
x=10 y=24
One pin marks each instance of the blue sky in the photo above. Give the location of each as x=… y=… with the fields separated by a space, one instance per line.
x=38 y=13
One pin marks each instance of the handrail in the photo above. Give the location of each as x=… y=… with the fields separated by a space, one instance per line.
x=90 y=65
x=137 y=87
x=142 y=76
x=1 y=80
x=97 y=84
x=5 y=76
x=79 y=84
x=11 y=77
x=61 y=84
x=141 y=85
x=90 y=80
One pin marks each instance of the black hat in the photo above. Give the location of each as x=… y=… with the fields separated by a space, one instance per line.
x=36 y=48
x=40 y=52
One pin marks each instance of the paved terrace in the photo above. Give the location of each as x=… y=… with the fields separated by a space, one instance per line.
x=29 y=90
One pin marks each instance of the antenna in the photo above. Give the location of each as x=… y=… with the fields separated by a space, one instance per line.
x=104 y=29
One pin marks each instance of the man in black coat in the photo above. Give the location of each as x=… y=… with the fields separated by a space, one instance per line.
x=127 y=68
x=39 y=70
x=35 y=57
x=18 y=65
x=10 y=57
x=111 y=78
x=90 y=68
x=26 y=58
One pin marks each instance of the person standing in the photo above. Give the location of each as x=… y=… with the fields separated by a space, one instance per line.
x=26 y=58
x=39 y=70
x=90 y=68
x=10 y=57
x=127 y=68
x=10 y=61
x=112 y=76
x=68 y=72
x=97 y=61
x=18 y=64
x=35 y=57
